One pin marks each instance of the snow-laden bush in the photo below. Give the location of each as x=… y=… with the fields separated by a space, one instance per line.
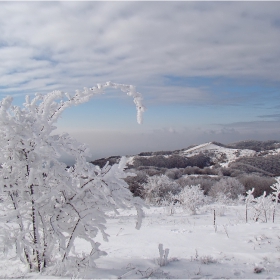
x=191 y=198
x=226 y=188
x=205 y=182
x=47 y=206
x=159 y=189
x=263 y=207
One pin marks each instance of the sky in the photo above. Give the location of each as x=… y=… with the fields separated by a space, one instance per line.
x=207 y=71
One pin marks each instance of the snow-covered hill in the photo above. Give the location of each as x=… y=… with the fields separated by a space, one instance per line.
x=218 y=154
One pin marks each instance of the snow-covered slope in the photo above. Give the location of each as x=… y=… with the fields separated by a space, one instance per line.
x=218 y=154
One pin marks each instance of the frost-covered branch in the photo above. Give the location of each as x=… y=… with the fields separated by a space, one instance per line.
x=49 y=204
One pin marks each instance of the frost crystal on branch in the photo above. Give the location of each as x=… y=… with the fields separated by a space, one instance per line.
x=46 y=205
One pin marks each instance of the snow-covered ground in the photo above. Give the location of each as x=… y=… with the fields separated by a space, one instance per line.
x=197 y=249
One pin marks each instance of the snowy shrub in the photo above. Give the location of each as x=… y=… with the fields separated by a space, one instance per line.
x=263 y=206
x=47 y=206
x=170 y=207
x=159 y=189
x=191 y=198
x=207 y=260
x=222 y=198
x=205 y=182
x=226 y=188
x=203 y=259
x=173 y=173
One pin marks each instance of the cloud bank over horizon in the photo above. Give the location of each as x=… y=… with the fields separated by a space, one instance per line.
x=205 y=69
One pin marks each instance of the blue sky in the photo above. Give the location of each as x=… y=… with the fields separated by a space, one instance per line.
x=208 y=71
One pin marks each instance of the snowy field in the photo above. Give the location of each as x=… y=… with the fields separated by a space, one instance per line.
x=197 y=249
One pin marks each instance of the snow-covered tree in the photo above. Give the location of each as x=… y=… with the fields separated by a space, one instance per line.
x=45 y=205
x=248 y=201
x=226 y=188
x=160 y=189
x=191 y=198
x=275 y=193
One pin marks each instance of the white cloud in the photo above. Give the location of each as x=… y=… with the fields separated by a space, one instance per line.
x=76 y=44
x=67 y=45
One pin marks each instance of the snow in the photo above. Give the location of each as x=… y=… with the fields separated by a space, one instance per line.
x=200 y=175
x=221 y=154
x=200 y=147
x=272 y=152
x=196 y=249
x=130 y=160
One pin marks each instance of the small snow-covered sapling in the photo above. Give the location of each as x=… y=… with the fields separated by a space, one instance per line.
x=163 y=255
x=276 y=193
x=248 y=200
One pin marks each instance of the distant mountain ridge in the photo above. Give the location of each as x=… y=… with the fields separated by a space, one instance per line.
x=248 y=156
x=255 y=145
